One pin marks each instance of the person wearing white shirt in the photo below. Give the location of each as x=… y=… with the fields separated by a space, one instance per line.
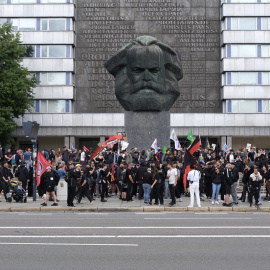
x=82 y=159
x=172 y=176
x=194 y=180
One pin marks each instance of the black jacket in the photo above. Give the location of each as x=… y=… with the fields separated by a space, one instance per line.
x=22 y=174
x=217 y=178
x=74 y=176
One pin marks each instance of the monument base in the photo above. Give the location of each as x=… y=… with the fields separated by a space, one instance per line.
x=143 y=128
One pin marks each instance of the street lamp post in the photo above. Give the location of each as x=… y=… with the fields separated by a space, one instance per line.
x=31 y=131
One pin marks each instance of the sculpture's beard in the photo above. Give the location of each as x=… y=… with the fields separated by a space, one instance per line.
x=146 y=96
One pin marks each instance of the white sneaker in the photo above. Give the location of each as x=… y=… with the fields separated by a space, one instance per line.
x=217 y=202
x=180 y=200
x=189 y=206
x=213 y=202
x=199 y=206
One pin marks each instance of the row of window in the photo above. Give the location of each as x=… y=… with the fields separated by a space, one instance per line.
x=38 y=24
x=247 y=1
x=52 y=106
x=54 y=78
x=36 y=1
x=247 y=23
x=248 y=106
x=247 y=50
x=49 y=51
x=247 y=78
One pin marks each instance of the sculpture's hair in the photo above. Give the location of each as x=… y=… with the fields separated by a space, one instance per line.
x=172 y=58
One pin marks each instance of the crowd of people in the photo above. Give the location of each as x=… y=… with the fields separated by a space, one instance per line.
x=144 y=175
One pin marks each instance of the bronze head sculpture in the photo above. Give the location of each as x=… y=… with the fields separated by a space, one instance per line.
x=146 y=75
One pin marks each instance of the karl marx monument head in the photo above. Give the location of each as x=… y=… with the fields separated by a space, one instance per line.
x=146 y=75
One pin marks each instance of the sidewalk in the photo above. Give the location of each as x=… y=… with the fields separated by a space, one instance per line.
x=114 y=204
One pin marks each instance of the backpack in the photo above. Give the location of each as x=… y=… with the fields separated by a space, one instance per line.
x=56 y=178
x=68 y=177
x=90 y=180
x=123 y=177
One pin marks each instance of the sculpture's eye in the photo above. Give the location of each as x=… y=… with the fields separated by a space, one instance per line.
x=137 y=70
x=154 y=70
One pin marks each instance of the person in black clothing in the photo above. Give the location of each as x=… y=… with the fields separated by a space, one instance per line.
x=65 y=155
x=130 y=181
x=228 y=176
x=208 y=180
x=23 y=175
x=255 y=182
x=4 y=179
x=48 y=181
x=86 y=183
x=118 y=179
x=135 y=184
x=139 y=178
x=155 y=193
x=72 y=178
x=105 y=175
x=245 y=180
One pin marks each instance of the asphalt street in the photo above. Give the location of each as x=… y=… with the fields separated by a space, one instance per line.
x=126 y=240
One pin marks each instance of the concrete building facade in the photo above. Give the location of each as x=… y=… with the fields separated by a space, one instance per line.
x=225 y=46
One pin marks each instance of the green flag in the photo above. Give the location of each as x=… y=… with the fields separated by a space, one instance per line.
x=164 y=149
x=190 y=136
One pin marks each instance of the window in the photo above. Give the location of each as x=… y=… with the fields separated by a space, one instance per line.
x=265 y=23
x=243 y=23
x=243 y=51
x=2 y=21
x=23 y=1
x=55 y=1
x=52 y=106
x=248 y=1
x=265 y=78
x=242 y=106
x=53 y=51
x=243 y=78
x=265 y=50
x=24 y=24
x=53 y=78
x=53 y=24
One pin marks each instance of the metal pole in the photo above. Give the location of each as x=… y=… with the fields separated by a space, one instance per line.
x=34 y=169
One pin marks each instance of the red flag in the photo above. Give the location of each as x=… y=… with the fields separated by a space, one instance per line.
x=42 y=164
x=188 y=160
x=112 y=141
x=195 y=146
x=85 y=149
x=96 y=152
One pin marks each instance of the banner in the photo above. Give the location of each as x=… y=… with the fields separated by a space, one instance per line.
x=188 y=160
x=42 y=164
x=112 y=141
x=195 y=145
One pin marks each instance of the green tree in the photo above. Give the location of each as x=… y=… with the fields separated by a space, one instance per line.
x=16 y=82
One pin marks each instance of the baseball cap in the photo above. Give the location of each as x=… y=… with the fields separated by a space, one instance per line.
x=48 y=168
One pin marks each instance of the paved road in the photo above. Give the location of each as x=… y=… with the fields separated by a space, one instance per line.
x=134 y=240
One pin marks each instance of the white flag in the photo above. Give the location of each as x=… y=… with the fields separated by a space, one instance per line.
x=154 y=146
x=177 y=145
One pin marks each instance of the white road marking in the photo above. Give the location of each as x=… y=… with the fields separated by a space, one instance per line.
x=211 y=213
x=141 y=228
x=134 y=236
x=71 y=244
x=196 y=218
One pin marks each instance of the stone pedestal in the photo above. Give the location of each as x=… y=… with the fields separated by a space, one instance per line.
x=143 y=128
x=62 y=190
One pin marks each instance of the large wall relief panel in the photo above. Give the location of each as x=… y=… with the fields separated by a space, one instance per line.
x=192 y=27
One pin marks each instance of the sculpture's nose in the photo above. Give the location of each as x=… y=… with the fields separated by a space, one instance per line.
x=146 y=75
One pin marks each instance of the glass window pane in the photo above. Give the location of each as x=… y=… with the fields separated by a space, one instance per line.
x=54 y=1
x=58 y=78
x=234 y=25
x=265 y=23
x=44 y=51
x=265 y=50
x=56 y=106
x=27 y=24
x=235 y=106
x=248 y=78
x=57 y=25
x=247 y=51
x=44 y=24
x=2 y=21
x=248 y=106
x=43 y=106
x=265 y=106
x=43 y=78
x=234 y=49
x=23 y=1
x=235 y=78
x=57 y=51
x=247 y=24
x=265 y=78
x=15 y=23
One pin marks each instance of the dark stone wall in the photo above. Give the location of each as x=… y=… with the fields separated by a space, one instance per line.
x=192 y=27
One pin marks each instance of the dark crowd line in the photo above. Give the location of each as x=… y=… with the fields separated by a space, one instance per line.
x=144 y=175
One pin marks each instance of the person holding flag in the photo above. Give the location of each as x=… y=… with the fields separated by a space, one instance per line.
x=194 y=177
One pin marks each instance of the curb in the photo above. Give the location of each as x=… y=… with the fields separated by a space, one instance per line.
x=135 y=209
